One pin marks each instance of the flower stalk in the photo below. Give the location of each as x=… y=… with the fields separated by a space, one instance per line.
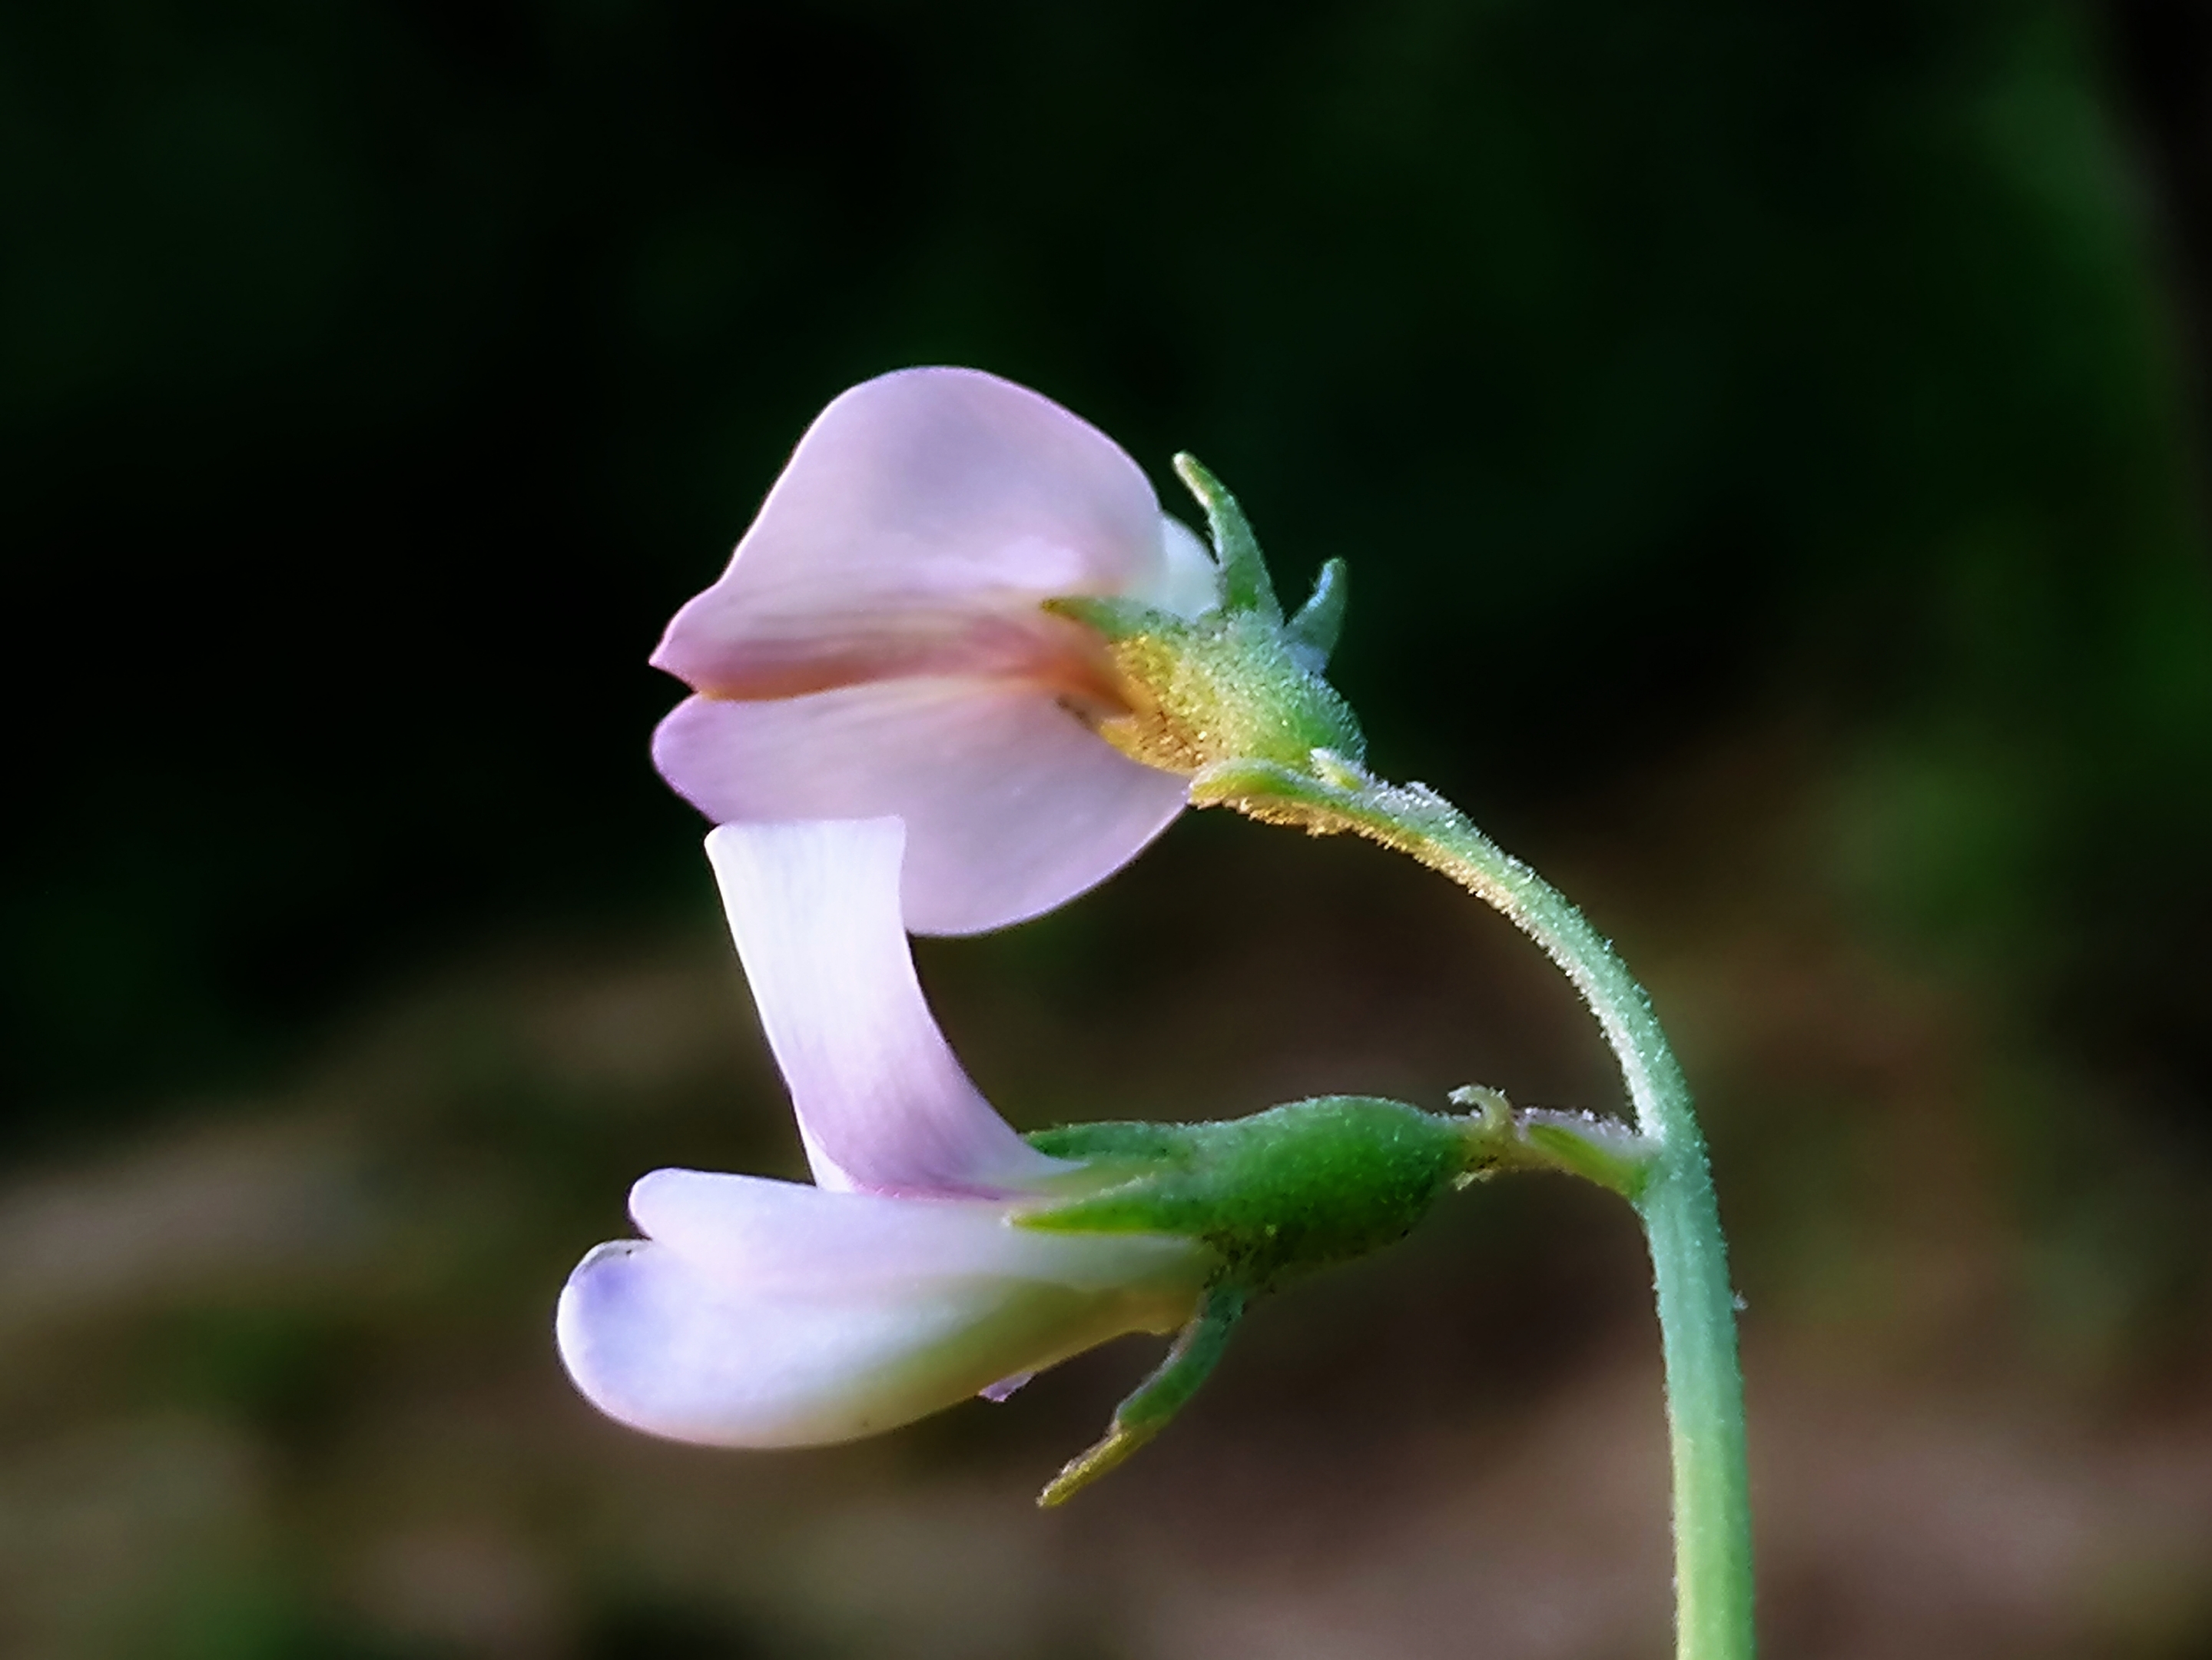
x=1235 y=698
x=1669 y=1184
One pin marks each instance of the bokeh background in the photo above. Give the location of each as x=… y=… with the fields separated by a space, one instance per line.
x=1770 y=443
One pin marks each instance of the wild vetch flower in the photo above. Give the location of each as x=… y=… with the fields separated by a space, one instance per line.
x=955 y=591
x=760 y=1313
x=878 y=645
x=960 y=669
x=960 y=607
x=939 y=1255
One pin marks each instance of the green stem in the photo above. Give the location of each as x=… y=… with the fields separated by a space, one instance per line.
x=1689 y=1257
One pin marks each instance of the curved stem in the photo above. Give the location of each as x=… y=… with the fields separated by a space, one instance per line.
x=1681 y=1220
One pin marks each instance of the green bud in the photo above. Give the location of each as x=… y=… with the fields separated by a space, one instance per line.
x=1236 y=681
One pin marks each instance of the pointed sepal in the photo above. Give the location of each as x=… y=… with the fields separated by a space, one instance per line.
x=1189 y=1361
x=1245 y=584
x=1116 y=620
x=1313 y=632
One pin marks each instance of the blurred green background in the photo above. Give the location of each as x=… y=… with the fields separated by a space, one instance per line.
x=1770 y=445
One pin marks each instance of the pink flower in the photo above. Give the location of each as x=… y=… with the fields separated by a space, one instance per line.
x=878 y=645
x=761 y=1313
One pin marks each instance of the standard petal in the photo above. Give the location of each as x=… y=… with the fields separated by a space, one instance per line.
x=917 y=526
x=794 y=1236
x=1013 y=805
x=883 y=1104
x=666 y=1344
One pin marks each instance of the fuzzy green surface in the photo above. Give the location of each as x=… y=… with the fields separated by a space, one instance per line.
x=1275 y=1194
x=1228 y=685
x=1233 y=676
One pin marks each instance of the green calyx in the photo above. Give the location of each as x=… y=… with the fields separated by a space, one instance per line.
x=1236 y=682
x=1273 y=1196
x=1285 y=1192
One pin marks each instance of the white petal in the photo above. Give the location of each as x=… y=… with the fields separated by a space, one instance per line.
x=1188 y=581
x=668 y=1344
x=918 y=524
x=793 y=1237
x=1013 y=805
x=883 y=1104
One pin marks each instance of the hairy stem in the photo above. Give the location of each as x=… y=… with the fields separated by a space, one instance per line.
x=1681 y=1220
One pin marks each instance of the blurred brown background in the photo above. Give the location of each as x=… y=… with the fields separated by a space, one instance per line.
x=1770 y=445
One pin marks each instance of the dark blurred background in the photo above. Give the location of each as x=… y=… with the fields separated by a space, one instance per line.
x=1770 y=443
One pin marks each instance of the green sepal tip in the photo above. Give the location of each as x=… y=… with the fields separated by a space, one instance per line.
x=1313 y=632
x=1189 y=1361
x=1116 y=619
x=1245 y=584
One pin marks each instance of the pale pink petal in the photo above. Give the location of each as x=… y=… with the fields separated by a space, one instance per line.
x=791 y=1236
x=920 y=521
x=664 y=1343
x=1013 y=805
x=883 y=1104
